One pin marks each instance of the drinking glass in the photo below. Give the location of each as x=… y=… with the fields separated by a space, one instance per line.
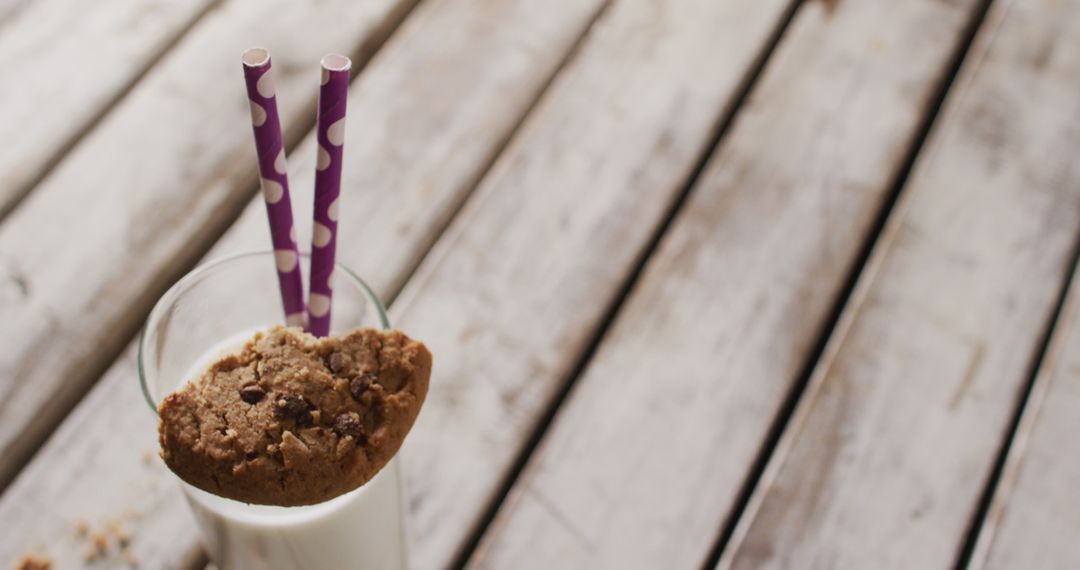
x=212 y=310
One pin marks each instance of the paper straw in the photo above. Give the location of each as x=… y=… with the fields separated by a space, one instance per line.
x=330 y=133
x=275 y=184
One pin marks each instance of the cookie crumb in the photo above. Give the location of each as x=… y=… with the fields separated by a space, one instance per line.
x=100 y=543
x=33 y=562
x=148 y=457
x=116 y=529
x=81 y=528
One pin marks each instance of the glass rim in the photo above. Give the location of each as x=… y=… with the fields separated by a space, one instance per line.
x=204 y=268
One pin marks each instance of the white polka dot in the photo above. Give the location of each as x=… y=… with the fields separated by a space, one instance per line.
x=336 y=133
x=272 y=191
x=325 y=76
x=321 y=235
x=319 y=305
x=296 y=319
x=286 y=260
x=258 y=114
x=323 y=160
x=332 y=210
x=330 y=280
x=292 y=234
x=279 y=162
x=265 y=86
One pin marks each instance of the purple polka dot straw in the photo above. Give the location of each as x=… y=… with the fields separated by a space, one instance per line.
x=275 y=184
x=330 y=133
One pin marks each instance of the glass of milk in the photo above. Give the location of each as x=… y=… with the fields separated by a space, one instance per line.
x=214 y=310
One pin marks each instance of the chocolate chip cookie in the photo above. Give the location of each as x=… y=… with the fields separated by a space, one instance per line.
x=294 y=420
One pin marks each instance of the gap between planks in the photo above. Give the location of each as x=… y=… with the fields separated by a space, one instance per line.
x=9 y=202
x=202 y=561
x=588 y=539
x=1041 y=332
x=474 y=181
x=519 y=91
x=846 y=296
x=1058 y=324
x=224 y=217
x=1031 y=519
x=556 y=354
x=719 y=130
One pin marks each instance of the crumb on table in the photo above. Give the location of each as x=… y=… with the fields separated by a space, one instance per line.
x=33 y=562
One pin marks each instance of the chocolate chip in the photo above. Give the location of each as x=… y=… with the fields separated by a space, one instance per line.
x=348 y=423
x=295 y=408
x=251 y=455
x=360 y=384
x=291 y=406
x=252 y=394
x=337 y=362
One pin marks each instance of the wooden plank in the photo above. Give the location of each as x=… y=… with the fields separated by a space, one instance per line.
x=63 y=63
x=646 y=458
x=101 y=466
x=884 y=463
x=1033 y=521
x=451 y=85
x=86 y=254
x=9 y=8
x=511 y=295
x=638 y=103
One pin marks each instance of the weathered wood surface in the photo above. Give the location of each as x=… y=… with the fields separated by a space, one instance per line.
x=9 y=8
x=1033 y=521
x=646 y=457
x=660 y=112
x=426 y=118
x=101 y=466
x=888 y=454
x=885 y=459
x=90 y=249
x=511 y=294
x=62 y=63
x=519 y=318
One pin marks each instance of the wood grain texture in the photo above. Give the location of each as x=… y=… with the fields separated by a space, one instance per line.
x=1033 y=520
x=101 y=466
x=646 y=458
x=426 y=118
x=884 y=463
x=62 y=63
x=637 y=134
x=86 y=254
x=510 y=297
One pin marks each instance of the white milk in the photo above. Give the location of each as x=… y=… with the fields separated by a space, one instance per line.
x=360 y=530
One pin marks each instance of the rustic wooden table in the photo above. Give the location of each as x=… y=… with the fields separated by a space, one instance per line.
x=733 y=283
